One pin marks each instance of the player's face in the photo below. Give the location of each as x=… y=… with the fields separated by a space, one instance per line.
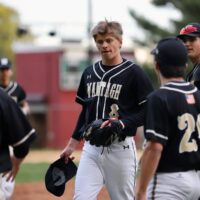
x=193 y=47
x=109 y=48
x=5 y=75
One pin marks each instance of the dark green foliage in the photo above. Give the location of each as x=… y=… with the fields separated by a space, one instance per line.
x=188 y=8
x=150 y=71
x=9 y=21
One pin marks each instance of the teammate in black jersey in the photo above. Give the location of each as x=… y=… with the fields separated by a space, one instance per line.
x=15 y=131
x=190 y=35
x=170 y=164
x=12 y=88
x=111 y=87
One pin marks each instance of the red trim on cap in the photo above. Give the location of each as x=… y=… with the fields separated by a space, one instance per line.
x=188 y=29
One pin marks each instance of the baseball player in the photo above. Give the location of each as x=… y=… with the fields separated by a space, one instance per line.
x=15 y=131
x=190 y=35
x=112 y=88
x=170 y=164
x=14 y=90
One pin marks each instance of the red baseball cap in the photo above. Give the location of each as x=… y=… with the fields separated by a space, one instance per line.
x=191 y=30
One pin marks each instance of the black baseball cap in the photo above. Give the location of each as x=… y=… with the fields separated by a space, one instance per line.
x=58 y=174
x=5 y=63
x=191 y=30
x=170 y=52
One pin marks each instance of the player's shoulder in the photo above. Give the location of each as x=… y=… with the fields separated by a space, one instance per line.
x=18 y=85
x=4 y=98
x=135 y=67
x=156 y=95
x=89 y=68
x=3 y=94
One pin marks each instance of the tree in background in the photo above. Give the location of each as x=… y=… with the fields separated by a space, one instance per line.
x=153 y=32
x=9 y=21
x=188 y=9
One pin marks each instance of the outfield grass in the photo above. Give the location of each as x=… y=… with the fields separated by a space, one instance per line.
x=32 y=172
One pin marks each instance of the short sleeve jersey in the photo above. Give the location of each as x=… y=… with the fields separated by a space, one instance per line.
x=117 y=91
x=172 y=118
x=15 y=130
x=15 y=91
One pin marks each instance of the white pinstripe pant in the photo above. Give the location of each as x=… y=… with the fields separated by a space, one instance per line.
x=176 y=186
x=115 y=168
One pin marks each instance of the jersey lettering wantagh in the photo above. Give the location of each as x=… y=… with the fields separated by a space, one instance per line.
x=101 y=88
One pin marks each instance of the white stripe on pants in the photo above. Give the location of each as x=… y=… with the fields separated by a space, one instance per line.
x=176 y=186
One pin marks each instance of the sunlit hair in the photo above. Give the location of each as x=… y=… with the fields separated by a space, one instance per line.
x=108 y=27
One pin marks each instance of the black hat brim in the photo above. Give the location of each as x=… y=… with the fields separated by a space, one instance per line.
x=188 y=35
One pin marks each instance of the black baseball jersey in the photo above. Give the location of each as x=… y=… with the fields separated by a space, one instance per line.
x=15 y=130
x=172 y=118
x=194 y=76
x=15 y=91
x=117 y=91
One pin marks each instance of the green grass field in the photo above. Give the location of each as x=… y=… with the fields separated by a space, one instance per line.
x=32 y=172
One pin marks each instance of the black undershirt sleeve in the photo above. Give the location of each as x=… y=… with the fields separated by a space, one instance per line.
x=22 y=150
x=134 y=121
x=80 y=125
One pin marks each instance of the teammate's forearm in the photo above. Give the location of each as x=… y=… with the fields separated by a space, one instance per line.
x=25 y=107
x=16 y=162
x=73 y=143
x=69 y=149
x=148 y=165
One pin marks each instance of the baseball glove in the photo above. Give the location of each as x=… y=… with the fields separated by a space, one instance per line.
x=103 y=136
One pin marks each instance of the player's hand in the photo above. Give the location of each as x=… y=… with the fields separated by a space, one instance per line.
x=115 y=126
x=105 y=123
x=69 y=149
x=108 y=122
x=66 y=153
x=15 y=168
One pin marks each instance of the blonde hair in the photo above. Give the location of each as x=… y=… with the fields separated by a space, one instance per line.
x=108 y=27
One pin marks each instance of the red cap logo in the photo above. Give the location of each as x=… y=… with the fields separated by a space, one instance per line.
x=188 y=29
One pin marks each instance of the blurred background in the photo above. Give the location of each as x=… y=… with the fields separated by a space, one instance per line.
x=50 y=45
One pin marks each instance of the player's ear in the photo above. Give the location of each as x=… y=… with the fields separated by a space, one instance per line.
x=157 y=65
x=10 y=72
x=120 y=42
